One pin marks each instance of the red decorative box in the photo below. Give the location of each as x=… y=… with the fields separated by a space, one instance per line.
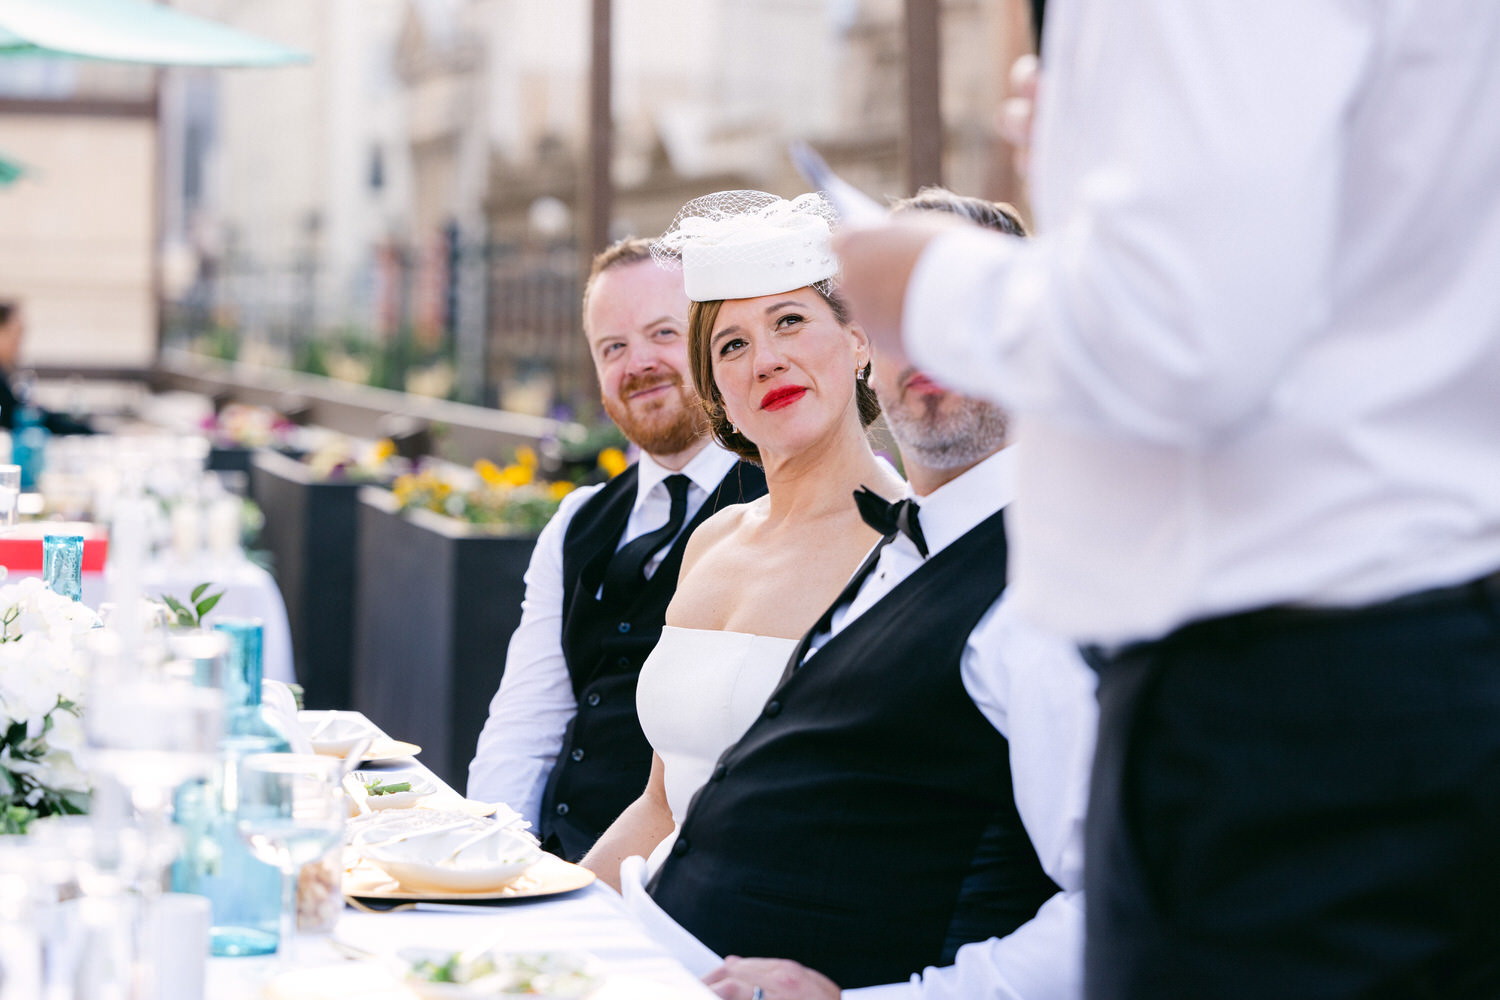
x=21 y=546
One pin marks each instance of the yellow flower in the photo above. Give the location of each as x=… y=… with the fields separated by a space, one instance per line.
x=559 y=489
x=516 y=475
x=383 y=450
x=490 y=473
x=526 y=457
x=613 y=461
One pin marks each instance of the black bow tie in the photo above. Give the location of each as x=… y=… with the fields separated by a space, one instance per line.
x=889 y=518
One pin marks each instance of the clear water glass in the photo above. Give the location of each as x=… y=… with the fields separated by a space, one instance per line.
x=290 y=812
x=10 y=495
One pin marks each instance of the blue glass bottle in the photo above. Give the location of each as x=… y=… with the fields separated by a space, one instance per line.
x=30 y=448
x=245 y=893
x=62 y=565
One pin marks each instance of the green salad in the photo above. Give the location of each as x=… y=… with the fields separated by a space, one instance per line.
x=535 y=974
x=378 y=787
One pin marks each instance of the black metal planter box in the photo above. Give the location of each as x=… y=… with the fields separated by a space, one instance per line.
x=436 y=602
x=310 y=531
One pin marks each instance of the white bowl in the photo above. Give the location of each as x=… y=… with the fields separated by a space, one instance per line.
x=537 y=975
x=420 y=788
x=489 y=857
x=335 y=733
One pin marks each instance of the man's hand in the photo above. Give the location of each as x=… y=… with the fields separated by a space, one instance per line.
x=775 y=978
x=876 y=266
x=1018 y=111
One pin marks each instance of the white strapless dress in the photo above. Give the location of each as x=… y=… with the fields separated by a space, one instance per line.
x=699 y=690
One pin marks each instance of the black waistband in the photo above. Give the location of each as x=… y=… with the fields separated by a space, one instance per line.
x=1483 y=592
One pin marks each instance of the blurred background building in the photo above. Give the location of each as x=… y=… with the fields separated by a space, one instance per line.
x=412 y=208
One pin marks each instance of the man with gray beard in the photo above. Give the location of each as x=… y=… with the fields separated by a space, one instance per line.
x=907 y=812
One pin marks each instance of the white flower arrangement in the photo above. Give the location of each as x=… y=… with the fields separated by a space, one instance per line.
x=41 y=690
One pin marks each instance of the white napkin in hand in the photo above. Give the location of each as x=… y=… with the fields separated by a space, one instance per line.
x=678 y=941
x=281 y=705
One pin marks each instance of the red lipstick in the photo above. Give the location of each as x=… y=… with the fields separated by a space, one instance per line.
x=783 y=397
x=923 y=384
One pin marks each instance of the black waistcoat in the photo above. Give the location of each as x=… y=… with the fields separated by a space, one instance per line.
x=841 y=828
x=605 y=757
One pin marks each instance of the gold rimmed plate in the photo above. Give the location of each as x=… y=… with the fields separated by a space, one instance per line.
x=550 y=876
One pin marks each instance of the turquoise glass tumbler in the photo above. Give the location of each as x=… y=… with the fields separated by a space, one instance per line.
x=244 y=892
x=62 y=565
x=242 y=668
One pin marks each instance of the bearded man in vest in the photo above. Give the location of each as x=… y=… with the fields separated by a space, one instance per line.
x=907 y=813
x=562 y=744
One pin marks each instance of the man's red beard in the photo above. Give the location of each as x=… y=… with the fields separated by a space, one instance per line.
x=665 y=424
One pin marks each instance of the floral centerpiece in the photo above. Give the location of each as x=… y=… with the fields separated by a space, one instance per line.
x=41 y=692
x=520 y=496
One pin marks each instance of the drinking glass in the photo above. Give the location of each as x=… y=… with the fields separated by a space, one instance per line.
x=148 y=729
x=62 y=565
x=290 y=811
x=149 y=726
x=21 y=966
x=10 y=495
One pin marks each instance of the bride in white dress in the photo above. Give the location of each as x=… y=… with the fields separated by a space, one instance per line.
x=781 y=371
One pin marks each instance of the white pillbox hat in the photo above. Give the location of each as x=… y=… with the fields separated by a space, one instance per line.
x=741 y=244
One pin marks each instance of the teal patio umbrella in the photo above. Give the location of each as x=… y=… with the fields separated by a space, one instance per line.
x=10 y=170
x=131 y=31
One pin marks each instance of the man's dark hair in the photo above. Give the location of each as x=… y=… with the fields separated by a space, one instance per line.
x=996 y=215
x=8 y=308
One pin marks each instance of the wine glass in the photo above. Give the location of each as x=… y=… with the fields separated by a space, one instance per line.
x=153 y=724
x=290 y=810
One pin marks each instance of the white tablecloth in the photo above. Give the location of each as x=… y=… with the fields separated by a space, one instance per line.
x=592 y=919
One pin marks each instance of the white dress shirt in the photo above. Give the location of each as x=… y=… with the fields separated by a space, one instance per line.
x=1255 y=350
x=530 y=712
x=1039 y=694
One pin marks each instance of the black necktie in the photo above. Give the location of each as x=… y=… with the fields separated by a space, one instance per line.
x=889 y=518
x=627 y=569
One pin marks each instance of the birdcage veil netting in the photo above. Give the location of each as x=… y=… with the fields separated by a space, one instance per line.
x=737 y=244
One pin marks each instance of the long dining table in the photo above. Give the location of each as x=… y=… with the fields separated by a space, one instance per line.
x=591 y=920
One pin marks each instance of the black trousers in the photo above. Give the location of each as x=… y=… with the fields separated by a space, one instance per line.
x=1299 y=804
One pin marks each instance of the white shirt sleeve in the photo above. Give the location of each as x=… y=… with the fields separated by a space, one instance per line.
x=530 y=712
x=1035 y=689
x=1188 y=164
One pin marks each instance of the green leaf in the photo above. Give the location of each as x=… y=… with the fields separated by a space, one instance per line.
x=173 y=603
x=207 y=604
x=198 y=592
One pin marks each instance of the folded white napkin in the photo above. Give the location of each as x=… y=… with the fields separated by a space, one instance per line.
x=680 y=943
x=281 y=705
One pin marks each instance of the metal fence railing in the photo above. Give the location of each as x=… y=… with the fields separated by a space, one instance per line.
x=481 y=322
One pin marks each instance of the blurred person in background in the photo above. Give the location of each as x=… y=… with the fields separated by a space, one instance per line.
x=13 y=396
x=562 y=744
x=1256 y=351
